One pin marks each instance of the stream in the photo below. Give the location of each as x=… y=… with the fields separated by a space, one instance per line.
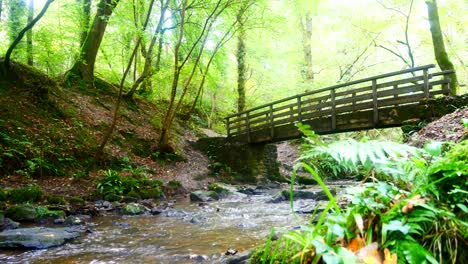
x=187 y=233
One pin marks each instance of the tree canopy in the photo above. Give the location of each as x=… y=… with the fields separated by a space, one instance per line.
x=197 y=54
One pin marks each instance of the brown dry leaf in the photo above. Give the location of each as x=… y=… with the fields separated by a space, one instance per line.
x=411 y=203
x=390 y=258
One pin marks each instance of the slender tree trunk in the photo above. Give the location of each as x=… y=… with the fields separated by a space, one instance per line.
x=29 y=34
x=85 y=19
x=147 y=68
x=1 y=9
x=241 y=65
x=440 y=53
x=22 y=32
x=16 y=18
x=84 y=66
x=306 y=28
x=115 y=115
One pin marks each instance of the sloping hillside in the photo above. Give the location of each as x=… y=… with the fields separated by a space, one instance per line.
x=49 y=132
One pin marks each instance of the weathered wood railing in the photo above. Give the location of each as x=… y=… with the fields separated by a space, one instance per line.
x=374 y=95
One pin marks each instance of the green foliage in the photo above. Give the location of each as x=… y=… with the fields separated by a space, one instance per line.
x=153 y=193
x=55 y=199
x=414 y=222
x=449 y=177
x=77 y=201
x=3 y=195
x=80 y=174
x=174 y=184
x=27 y=194
x=111 y=183
x=43 y=212
x=350 y=156
x=114 y=185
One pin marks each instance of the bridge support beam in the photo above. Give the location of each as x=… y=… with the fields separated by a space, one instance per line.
x=248 y=163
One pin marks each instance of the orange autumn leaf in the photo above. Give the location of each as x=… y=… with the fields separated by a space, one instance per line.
x=356 y=244
x=389 y=257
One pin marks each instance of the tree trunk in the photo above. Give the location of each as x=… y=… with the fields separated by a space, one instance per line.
x=84 y=19
x=84 y=66
x=29 y=35
x=241 y=66
x=306 y=28
x=16 y=18
x=22 y=32
x=438 y=42
x=1 y=9
x=115 y=115
x=147 y=68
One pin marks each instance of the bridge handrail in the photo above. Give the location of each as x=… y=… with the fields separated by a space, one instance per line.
x=333 y=101
x=428 y=66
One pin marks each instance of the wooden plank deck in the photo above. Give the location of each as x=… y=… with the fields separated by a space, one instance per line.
x=376 y=102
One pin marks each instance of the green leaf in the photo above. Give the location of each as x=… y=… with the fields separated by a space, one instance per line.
x=434 y=148
x=394 y=225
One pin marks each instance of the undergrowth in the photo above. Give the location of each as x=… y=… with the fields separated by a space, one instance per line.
x=413 y=211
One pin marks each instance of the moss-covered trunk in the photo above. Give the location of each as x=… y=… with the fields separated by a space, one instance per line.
x=84 y=65
x=241 y=65
x=440 y=53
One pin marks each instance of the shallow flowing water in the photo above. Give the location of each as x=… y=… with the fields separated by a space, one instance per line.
x=188 y=233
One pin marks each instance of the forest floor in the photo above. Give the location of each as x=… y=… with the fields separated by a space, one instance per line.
x=49 y=134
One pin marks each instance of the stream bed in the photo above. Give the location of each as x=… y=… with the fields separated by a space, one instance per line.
x=187 y=233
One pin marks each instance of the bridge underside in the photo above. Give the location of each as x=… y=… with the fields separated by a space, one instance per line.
x=362 y=120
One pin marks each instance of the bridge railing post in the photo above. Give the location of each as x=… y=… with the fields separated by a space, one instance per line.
x=299 y=108
x=333 y=112
x=247 y=123
x=272 y=127
x=374 y=101
x=228 y=127
x=426 y=83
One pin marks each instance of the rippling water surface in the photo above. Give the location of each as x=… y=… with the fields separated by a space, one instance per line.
x=239 y=222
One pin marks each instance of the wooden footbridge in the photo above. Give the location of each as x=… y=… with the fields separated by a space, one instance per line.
x=377 y=102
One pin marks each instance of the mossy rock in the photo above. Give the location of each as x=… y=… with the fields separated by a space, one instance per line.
x=22 y=212
x=133 y=209
x=25 y=194
x=56 y=199
x=112 y=197
x=154 y=193
x=305 y=180
x=203 y=196
x=134 y=194
x=77 y=201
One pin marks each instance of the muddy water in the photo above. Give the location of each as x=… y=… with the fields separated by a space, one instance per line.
x=188 y=233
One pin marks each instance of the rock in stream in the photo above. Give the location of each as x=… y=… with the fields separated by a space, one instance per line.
x=36 y=237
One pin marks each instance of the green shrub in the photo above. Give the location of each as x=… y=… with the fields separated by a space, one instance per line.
x=55 y=199
x=77 y=201
x=417 y=215
x=28 y=194
x=174 y=184
x=3 y=195
x=111 y=183
x=43 y=212
x=112 y=197
x=154 y=193
x=134 y=194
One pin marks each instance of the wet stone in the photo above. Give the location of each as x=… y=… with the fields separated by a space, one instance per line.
x=37 y=237
x=8 y=224
x=203 y=196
